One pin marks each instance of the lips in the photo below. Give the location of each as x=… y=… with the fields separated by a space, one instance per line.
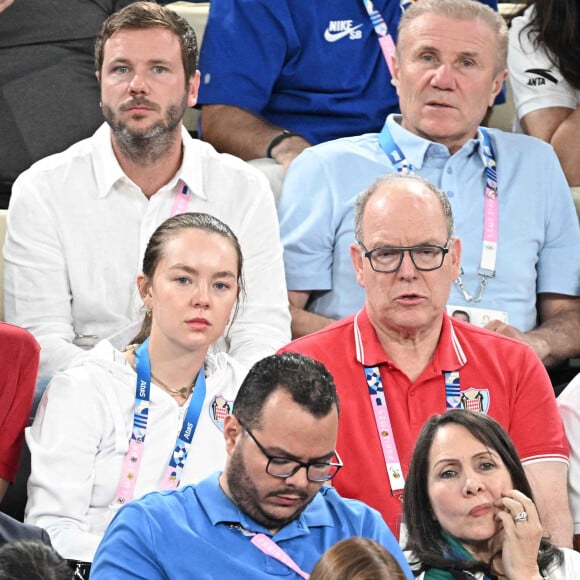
x=410 y=299
x=199 y=323
x=480 y=510
x=439 y=105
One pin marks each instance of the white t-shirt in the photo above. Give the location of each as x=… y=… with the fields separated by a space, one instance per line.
x=81 y=434
x=569 y=405
x=536 y=83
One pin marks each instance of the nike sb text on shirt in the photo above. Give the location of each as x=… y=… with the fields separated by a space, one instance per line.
x=338 y=29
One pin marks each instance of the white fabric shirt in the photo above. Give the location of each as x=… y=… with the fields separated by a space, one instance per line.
x=536 y=83
x=77 y=229
x=81 y=434
x=569 y=405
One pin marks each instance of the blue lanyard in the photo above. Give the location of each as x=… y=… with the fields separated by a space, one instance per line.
x=490 y=218
x=132 y=462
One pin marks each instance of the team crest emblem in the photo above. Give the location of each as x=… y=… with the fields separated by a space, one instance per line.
x=219 y=409
x=475 y=400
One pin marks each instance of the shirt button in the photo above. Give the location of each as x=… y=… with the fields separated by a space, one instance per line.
x=449 y=170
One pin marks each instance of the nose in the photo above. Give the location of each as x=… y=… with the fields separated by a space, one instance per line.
x=473 y=485
x=298 y=479
x=443 y=77
x=407 y=270
x=201 y=296
x=137 y=84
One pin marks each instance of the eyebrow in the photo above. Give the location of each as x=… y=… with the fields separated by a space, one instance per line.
x=486 y=453
x=193 y=271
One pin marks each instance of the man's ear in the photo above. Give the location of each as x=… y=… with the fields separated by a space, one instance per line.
x=395 y=68
x=357 y=261
x=232 y=432
x=497 y=86
x=193 y=89
x=455 y=256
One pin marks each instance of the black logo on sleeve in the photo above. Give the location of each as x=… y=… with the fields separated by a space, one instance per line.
x=541 y=75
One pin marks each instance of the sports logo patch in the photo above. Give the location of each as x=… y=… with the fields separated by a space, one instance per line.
x=219 y=409
x=475 y=400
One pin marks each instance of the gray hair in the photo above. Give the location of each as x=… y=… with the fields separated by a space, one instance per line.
x=459 y=10
x=385 y=180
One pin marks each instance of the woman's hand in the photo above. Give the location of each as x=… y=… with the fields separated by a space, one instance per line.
x=521 y=536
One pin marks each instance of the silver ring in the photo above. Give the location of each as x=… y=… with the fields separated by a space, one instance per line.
x=521 y=517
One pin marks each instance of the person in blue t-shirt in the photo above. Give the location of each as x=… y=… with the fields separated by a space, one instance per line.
x=269 y=512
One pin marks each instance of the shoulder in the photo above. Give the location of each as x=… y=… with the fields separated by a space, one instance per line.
x=476 y=335
x=569 y=568
x=12 y=530
x=523 y=152
x=225 y=370
x=223 y=163
x=318 y=342
x=344 y=148
x=17 y=341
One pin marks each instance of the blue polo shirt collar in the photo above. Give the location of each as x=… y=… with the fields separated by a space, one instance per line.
x=220 y=509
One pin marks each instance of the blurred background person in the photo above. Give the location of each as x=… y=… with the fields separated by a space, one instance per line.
x=19 y=358
x=357 y=559
x=49 y=95
x=544 y=69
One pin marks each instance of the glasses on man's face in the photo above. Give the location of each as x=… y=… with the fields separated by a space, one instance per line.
x=283 y=467
x=387 y=259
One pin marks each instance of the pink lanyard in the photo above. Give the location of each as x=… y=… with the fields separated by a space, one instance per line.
x=181 y=202
x=132 y=462
x=385 y=39
x=270 y=548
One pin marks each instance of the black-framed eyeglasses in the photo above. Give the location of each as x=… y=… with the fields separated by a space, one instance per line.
x=387 y=259
x=283 y=467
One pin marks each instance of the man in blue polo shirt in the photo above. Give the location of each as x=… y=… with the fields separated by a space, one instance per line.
x=268 y=514
x=277 y=77
x=516 y=219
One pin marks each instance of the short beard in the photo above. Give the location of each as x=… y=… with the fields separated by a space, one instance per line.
x=245 y=495
x=151 y=144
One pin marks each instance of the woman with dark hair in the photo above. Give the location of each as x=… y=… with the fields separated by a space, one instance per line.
x=117 y=425
x=544 y=68
x=469 y=509
x=357 y=559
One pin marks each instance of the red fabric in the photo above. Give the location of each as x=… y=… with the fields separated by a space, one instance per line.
x=520 y=398
x=19 y=355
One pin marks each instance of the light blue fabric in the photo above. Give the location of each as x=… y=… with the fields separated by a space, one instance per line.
x=184 y=534
x=539 y=237
x=272 y=58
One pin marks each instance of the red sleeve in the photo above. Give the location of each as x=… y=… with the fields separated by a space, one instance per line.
x=19 y=358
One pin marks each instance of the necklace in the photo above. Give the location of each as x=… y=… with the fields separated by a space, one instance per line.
x=183 y=392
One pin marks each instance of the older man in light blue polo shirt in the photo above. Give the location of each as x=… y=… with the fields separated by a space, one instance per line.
x=516 y=219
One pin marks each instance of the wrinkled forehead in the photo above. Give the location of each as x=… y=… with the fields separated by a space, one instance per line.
x=438 y=30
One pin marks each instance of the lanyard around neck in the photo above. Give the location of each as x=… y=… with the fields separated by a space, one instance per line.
x=490 y=212
x=181 y=201
x=132 y=462
x=386 y=41
x=270 y=548
x=383 y=421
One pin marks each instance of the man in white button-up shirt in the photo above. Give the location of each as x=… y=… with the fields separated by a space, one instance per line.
x=79 y=221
